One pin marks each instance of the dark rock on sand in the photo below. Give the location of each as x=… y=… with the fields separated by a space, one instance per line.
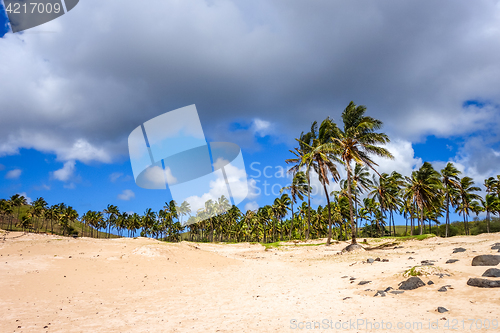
x=370 y=260
x=352 y=278
x=459 y=249
x=495 y=246
x=352 y=247
x=442 y=310
x=442 y=289
x=397 y=292
x=387 y=289
x=492 y=272
x=412 y=283
x=427 y=263
x=380 y=293
x=486 y=260
x=451 y=261
x=363 y=282
x=377 y=259
x=430 y=282
x=483 y=283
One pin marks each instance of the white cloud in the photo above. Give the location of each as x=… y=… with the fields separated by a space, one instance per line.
x=252 y=205
x=126 y=195
x=261 y=127
x=66 y=172
x=114 y=176
x=13 y=174
x=404 y=160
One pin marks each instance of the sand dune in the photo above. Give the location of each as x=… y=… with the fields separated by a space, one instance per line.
x=58 y=284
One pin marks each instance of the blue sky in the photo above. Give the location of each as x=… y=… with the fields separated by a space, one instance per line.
x=74 y=88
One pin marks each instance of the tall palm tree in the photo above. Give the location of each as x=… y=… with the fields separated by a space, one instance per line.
x=424 y=189
x=321 y=157
x=357 y=142
x=466 y=197
x=306 y=140
x=450 y=179
x=297 y=189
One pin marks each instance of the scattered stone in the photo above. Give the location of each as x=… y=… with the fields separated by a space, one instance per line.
x=483 y=283
x=492 y=272
x=385 y=260
x=459 y=249
x=387 y=289
x=442 y=310
x=380 y=293
x=495 y=246
x=345 y=298
x=368 y=289
x=343 y=277
x=426 y=263
x=430 y=282
x=352 y=278
x=442 y=289
x=352 y=247
x=413 y=282
x=377 y=259
x=397 y=292
x=451 y=261
x=370 y=260
x=398 y=247
x=486 y=260
x=363 y=282
x=410 y=258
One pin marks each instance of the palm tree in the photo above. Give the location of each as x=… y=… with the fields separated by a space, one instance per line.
x=424 y=188
x=297 y=189
x=466 y=197
x=491 y=205
x=360 y=183
x=320 y=157
x=279 y=209
x=450 y=179
x=18 y=200
x=113 y=213
x=357 y=142
x=305 y=142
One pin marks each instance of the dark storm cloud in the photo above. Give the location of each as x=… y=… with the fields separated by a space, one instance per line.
x=115 y=64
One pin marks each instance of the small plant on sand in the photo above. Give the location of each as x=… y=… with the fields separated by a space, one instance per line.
x=423 y=270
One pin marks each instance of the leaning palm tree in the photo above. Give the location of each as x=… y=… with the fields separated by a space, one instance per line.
x=424 y=189
x=450 y=179
x=357 y=142
x=297 y=189
x=305 y=142
x=360 y=183
x=321 y=157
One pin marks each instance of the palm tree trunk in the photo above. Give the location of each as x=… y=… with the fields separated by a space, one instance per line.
x=421 y=220
x=291 y=224
x=447 y=214
x=329 y=216
x=308 y=206
x=349 y=194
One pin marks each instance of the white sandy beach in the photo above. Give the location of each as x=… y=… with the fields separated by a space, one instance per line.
x=58 y=284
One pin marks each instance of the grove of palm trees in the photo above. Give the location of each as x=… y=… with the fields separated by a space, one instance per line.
x=365 y=205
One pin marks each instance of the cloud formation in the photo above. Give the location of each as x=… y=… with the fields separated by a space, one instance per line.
x=13 y=174
x=413 y=63
x=126 y=195
x=66 y=172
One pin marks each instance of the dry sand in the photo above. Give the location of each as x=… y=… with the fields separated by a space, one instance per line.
x=59 y=284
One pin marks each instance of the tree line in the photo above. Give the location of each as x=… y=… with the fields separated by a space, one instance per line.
x=365 y=205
